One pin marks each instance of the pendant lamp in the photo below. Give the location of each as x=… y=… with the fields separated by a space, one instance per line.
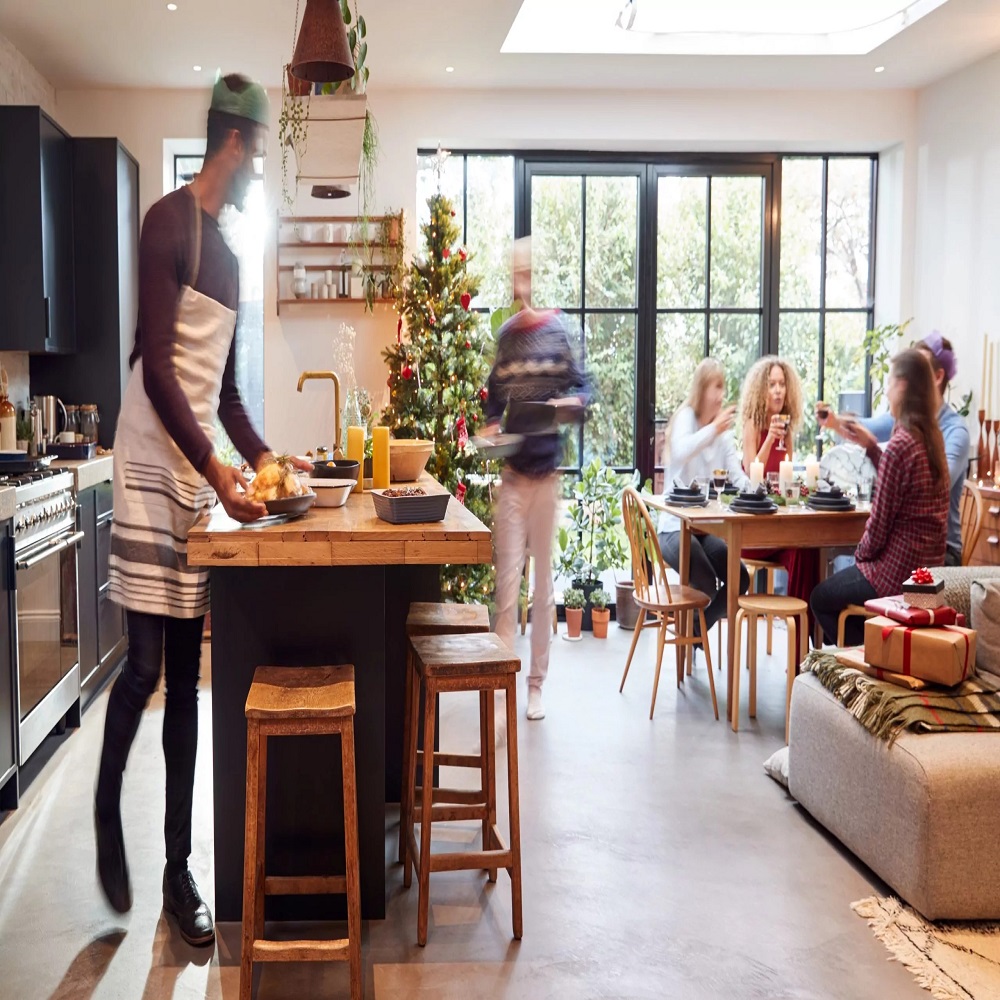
x=322 y=54
x=330 y=191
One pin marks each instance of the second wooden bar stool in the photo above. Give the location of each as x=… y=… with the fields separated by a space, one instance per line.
x=298 y=701
x=445 y=664
x=430 y=618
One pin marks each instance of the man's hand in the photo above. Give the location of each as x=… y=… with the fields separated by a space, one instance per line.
x=724 y=421
x=857 y=434
x=225 y=479
x=828 y=418
x=302 y=464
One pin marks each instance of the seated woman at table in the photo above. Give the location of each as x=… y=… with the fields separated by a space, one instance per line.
x=908 y=525
x=772 y=412
x=700 y=440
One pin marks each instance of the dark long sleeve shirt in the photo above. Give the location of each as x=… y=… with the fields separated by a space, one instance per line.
x=535 y=362
x=166 y=258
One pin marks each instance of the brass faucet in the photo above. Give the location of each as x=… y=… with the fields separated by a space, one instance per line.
x=337 y=440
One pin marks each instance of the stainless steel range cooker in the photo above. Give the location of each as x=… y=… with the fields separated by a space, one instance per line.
x=47 y=647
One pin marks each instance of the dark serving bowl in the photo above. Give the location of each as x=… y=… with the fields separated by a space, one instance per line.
x=338 y=468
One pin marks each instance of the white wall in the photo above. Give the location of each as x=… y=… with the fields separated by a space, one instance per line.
x=802 y=121
x=21 y=83
x=958 y=214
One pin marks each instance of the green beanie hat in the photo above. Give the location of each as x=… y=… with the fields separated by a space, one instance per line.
x=251 y=102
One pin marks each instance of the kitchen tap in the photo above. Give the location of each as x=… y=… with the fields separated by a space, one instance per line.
x=337 y=440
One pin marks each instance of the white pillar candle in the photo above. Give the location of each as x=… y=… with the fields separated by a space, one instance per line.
x=786 y=473
x=982 y=390
x=756 y=474
x=812 y=473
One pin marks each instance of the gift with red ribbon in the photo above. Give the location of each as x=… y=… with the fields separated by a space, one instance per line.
x=940 y=654
x=899 y=611
x=856 y=658
x=923 y=589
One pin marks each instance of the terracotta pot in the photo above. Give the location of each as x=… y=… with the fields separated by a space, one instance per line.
x=626 y=610
x=296 y=87
x=600 y=617
x=588 y=587
x=574 y=619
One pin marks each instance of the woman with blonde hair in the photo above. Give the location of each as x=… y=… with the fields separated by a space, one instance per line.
x=772 y=413
x=700 y=440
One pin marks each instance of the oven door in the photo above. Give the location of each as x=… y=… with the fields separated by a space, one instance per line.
x=48 y=645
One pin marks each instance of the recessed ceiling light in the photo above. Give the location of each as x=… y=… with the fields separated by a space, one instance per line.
x=879 y=69
x=171 y=6
x=449 y=69
x=197 y=69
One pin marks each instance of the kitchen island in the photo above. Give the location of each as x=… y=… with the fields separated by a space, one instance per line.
x=330 y=587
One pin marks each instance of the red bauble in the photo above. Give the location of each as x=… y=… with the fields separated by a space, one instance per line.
x=453 y=213
x=462 y=255
x=468 y=344
x=446 y=253
x=466 y=301
x=407 y=373
x=483 y=395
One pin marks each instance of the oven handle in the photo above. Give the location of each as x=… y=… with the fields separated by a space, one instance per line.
x=55 y=547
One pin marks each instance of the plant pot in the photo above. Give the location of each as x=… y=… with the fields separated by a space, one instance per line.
x=588 y=587
x=336 y=126
x=574 y=619
x=600 y=618
x=626 y=610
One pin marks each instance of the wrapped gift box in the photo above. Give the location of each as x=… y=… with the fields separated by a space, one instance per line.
x=923 y=594
x=941 y=655
x=899 y=611
x=856 y=658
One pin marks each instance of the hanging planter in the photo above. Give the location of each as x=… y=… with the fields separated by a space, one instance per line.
x=335 y=125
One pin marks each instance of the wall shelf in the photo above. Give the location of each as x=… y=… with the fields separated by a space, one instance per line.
x=331 y=302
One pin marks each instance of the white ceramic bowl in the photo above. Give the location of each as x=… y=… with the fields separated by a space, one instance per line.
x=407 y=459
x=331 y=492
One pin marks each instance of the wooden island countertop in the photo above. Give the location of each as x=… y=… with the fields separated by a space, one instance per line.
x=352 y=535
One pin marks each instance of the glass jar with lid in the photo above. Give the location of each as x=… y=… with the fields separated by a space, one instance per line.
x=73 y=421
x=89 y=419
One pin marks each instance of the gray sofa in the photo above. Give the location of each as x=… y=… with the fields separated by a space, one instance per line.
x=922 y=814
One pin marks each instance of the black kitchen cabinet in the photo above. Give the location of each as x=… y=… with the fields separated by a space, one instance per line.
x=8 y=708
x=37 y=292
x=102 y=622
x=106 y=240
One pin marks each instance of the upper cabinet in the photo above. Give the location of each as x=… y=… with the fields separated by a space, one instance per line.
x=37 y=298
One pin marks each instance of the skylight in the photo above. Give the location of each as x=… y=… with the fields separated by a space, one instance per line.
x=712 y=27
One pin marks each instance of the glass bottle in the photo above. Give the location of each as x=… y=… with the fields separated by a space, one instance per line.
x=89 y=419
x=8 y=424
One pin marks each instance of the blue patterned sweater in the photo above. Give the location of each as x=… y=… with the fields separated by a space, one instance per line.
x=535 y=362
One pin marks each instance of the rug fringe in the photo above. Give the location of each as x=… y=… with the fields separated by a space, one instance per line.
x=881 y=916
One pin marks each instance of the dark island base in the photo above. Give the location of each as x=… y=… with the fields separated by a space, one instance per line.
x=310 y=616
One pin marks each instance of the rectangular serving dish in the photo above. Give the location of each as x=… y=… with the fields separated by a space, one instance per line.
x=410 y=510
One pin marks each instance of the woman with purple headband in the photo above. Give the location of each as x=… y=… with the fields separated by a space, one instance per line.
x=879 y=429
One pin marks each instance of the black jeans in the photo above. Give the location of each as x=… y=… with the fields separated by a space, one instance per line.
x=708 y=567
x=831 y=596
x=175 y=643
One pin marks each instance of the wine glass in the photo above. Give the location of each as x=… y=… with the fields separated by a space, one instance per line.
x=786 y=420
x=719 y=477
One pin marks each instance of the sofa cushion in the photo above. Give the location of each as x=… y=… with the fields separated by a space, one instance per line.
x=985 y=619
x=958 y=581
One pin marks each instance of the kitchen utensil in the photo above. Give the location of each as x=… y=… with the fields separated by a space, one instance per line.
x=50 y=408
x=407 y=458
x=291 y=505
x=410 y=510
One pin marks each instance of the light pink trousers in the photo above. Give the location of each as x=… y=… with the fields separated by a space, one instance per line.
x=525 y=524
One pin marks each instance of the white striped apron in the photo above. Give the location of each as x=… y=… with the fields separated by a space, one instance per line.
x=158 y=494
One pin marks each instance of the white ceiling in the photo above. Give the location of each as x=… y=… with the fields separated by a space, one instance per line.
x=138 y=43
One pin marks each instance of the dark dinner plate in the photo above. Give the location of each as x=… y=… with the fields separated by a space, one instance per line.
x=753 y=507
x=291 y=505
x=698 y=500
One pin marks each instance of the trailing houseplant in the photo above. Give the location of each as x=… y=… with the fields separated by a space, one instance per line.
x=293 y=132
x=600 y=613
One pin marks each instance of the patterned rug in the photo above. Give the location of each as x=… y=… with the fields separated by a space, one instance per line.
x=951 y=961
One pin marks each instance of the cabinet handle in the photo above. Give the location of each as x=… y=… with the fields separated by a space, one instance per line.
x=993 y=540
x=993 y=511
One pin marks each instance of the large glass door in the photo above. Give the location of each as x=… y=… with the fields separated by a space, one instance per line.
x=713 y=282
x=584 y=224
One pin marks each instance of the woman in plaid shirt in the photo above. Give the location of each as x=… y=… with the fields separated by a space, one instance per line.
x=908 y=525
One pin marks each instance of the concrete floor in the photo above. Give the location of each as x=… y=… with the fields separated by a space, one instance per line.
x=659 y=862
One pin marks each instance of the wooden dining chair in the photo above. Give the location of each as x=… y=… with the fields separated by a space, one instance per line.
x=670 y=609
x=971 y=514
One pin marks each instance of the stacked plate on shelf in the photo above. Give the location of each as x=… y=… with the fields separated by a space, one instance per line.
x=753 y=503
x=833 y=499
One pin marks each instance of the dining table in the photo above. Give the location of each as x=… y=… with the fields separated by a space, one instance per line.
x=795 y=526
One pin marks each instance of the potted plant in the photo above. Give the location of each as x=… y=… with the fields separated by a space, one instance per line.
x=600 y=613
x=593 y=541
x=574 y=602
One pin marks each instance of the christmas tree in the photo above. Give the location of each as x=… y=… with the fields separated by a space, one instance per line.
x=437 y=379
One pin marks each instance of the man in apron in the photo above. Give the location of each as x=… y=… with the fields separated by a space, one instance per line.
x=167 y=475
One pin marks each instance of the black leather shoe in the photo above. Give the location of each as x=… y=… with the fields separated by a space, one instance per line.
x=182 y=901
x=112 y=868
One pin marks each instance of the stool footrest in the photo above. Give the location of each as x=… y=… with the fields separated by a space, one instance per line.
x=452 y=796
x=451 y=814
x=453 y=759
x=305 y=885
x=470 y=861
x=301 y=951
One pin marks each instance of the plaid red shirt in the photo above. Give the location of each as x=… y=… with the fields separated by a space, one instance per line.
x=908 y=525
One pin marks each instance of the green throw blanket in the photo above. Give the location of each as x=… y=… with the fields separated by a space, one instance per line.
x=886 y=710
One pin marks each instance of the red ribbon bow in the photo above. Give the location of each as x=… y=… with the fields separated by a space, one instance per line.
x=923 y=576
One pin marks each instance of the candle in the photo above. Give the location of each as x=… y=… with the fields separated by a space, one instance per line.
x=786 y=473
x=380 y=458
x=989 y=388
x=812 y=473
x=756 y=474
x=982 y=390
x=356 y=453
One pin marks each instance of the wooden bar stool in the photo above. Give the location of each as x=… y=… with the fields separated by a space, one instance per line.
x=430 y=618
x=768 y=606
x=298 y=701
x=444 y=664
x=754 y=566
x=851 y=611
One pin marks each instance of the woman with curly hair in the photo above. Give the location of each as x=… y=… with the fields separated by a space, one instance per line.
x=772 y=412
